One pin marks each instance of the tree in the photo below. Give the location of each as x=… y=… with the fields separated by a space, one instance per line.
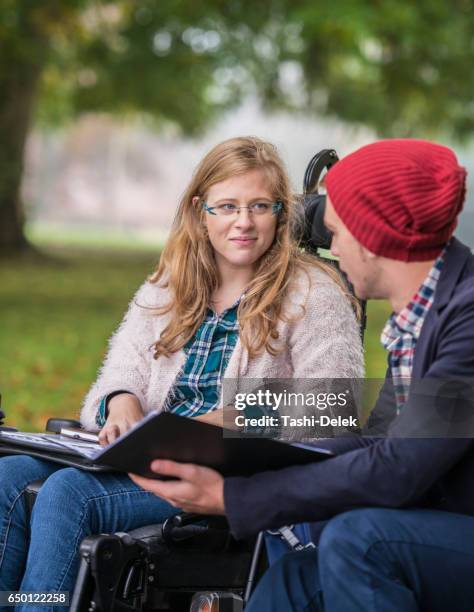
x=400 y=67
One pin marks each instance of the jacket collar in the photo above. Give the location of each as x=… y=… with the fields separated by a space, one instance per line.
x=456 y=257
x=455 y=260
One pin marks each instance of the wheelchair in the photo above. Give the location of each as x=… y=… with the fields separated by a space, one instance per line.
x=189 y=562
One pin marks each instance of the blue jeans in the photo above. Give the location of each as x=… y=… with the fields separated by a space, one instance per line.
x=377 y=560
x=71 y=505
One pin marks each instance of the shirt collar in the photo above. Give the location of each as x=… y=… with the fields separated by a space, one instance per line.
x=410 y=319
x=234 y=306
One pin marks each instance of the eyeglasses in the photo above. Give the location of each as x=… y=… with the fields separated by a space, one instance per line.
x=257 y=208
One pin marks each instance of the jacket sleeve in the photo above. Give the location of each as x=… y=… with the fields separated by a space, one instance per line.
x=391 y=472
x=127 y=362
x=384 y=411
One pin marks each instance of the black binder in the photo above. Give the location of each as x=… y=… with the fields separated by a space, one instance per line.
x=169 y=436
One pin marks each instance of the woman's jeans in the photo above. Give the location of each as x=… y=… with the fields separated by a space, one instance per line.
x=71 y=504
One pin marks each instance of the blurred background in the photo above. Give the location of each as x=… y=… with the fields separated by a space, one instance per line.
x=106 y=107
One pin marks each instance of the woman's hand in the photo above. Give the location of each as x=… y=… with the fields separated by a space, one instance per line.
x=124 y=411
x=215 y=417
x=199 y=489
x=223 y=417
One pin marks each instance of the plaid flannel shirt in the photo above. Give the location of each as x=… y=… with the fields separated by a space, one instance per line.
x=402 y=331
x=197 y=387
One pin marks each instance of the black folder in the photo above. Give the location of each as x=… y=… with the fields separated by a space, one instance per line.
x=169 y=436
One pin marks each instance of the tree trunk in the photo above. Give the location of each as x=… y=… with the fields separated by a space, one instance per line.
x=20 y=68
x=16 y=106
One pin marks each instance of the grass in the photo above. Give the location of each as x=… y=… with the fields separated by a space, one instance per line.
x=56 y=316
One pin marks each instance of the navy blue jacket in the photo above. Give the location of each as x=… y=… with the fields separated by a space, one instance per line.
x=393 y=472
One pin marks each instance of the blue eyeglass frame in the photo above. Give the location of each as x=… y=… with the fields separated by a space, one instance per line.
x=276 y=208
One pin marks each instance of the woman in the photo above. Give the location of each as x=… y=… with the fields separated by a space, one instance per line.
x=232 y=294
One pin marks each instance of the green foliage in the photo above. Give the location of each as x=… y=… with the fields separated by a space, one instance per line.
x=56 y=319
x=401 y=67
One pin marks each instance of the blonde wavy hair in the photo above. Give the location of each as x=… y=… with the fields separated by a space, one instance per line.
x=187 y=265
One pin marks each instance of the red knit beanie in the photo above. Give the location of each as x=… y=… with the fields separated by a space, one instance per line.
x=399 y=198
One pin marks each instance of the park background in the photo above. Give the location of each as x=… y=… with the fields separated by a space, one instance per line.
x=106 y=107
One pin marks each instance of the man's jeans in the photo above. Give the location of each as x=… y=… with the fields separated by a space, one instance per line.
x=71 y=505
x=377 y=560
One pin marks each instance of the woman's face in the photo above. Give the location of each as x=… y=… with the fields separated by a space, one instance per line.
x=240 y=239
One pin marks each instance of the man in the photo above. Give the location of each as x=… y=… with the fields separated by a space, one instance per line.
x=399 y=509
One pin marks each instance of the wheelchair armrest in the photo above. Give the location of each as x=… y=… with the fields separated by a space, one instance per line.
x=184 y=518
x=188 y=525
x=55 y=425
x=188 y=518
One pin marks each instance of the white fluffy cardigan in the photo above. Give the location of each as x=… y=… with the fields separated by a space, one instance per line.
x=323 y=343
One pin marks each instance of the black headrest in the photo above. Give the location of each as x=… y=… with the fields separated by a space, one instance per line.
x=315 y=234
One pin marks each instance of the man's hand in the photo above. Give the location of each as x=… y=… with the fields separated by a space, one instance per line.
x=200 y=489
x=124 y=411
